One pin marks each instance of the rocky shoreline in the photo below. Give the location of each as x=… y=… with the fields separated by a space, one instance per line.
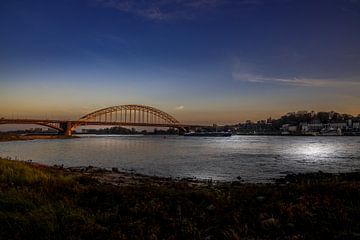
x=118 y=177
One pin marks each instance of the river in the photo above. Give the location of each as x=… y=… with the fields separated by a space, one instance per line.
x=253 y=158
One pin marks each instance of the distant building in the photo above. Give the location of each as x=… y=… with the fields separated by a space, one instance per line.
x=292 y=129
x=349 y=123
x=338 y=125
x=311 y=127
x=288 y=129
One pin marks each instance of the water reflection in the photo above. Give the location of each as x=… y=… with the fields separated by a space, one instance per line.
x=314 y=151
x=254 y=158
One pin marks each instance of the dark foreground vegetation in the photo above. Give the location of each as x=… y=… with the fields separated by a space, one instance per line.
x=38 y=202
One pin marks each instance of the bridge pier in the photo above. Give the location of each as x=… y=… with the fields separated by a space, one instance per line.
x=67 y=128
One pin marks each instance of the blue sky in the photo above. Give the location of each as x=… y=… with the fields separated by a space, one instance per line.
x=222 y=61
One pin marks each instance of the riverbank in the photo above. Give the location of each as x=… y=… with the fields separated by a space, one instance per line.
x=39 y=202
x=16 y=137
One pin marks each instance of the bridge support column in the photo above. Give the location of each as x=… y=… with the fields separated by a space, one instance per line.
x=67 y=128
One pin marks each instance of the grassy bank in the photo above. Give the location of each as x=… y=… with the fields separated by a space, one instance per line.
x=38 y=202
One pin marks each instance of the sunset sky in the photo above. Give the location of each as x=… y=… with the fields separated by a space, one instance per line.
x=202 y=61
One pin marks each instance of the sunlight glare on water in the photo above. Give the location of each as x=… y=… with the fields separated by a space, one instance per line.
x=253 y=158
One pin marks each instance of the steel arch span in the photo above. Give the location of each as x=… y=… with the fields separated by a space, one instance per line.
x=122 y=115
x=131 y=114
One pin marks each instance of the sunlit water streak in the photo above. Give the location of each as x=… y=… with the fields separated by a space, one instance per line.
x=254 y=158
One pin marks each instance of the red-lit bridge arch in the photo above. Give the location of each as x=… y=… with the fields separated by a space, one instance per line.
x=122 y=115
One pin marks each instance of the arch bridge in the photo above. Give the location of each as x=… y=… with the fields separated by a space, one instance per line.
x=122 y=115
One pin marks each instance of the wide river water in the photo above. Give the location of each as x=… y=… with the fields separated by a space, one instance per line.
x=254 y=158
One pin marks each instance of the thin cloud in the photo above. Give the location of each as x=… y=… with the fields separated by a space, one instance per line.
x=250 y=2
x=303 y=82
x=159 y=10
x=181 y=107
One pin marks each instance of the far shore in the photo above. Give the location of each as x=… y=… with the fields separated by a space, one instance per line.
x=26 y=137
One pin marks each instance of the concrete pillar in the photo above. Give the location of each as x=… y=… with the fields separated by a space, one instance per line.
x=67 y=128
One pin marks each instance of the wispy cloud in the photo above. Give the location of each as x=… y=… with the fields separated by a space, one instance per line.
x=159 y=10
x=181 y=107
x=295 y=81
